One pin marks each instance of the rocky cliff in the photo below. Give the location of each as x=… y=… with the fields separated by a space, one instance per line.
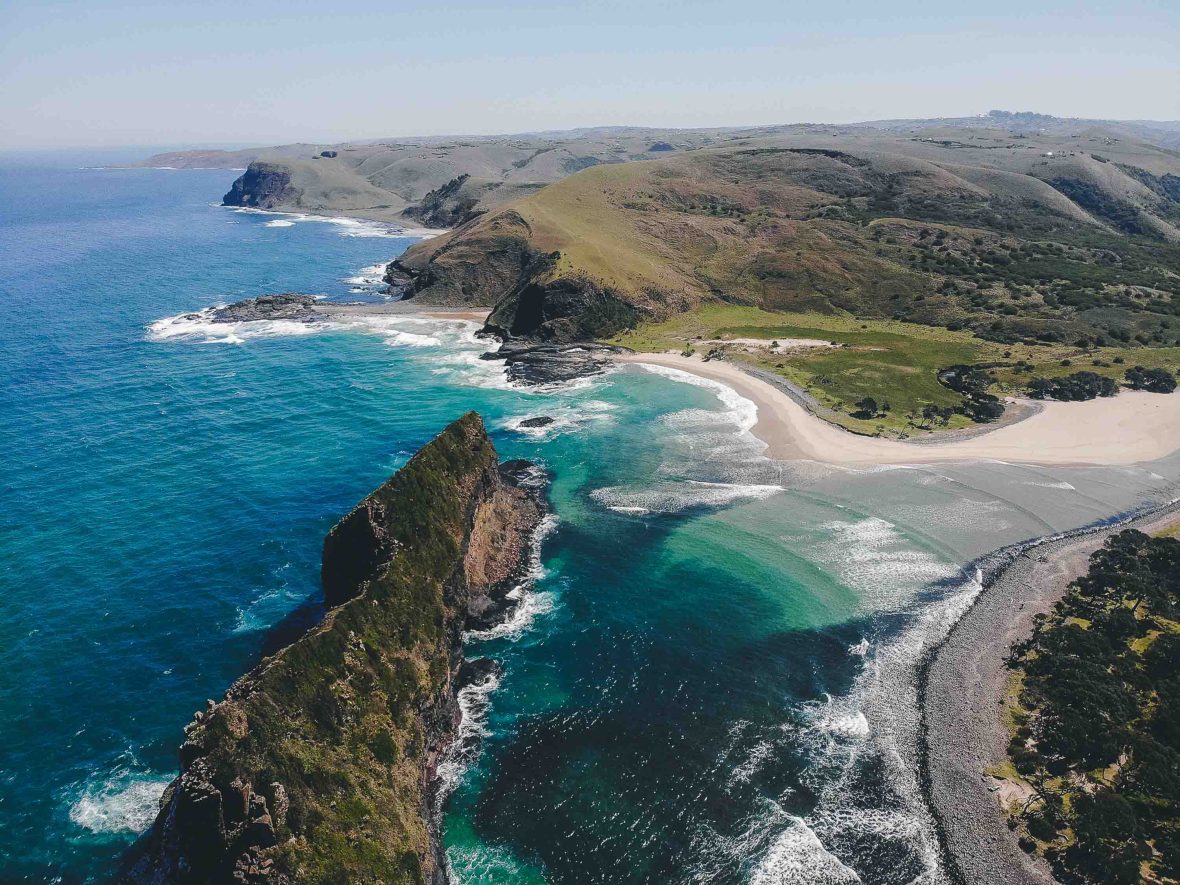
x=319 y=766
x=263 y=186
x=497 y=264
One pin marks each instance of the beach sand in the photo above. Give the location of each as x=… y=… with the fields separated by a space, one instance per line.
x=1126 y=429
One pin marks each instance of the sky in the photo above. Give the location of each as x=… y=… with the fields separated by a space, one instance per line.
x=211 y=72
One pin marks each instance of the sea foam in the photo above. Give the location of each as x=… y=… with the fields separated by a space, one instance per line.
x=123 y=801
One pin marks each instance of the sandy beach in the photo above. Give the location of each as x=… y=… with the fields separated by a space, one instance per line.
x=1126 y=429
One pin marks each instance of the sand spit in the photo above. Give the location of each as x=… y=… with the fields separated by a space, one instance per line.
x=1126 y=429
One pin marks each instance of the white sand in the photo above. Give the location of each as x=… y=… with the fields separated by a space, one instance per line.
x=783 y=343
x=1126 y=429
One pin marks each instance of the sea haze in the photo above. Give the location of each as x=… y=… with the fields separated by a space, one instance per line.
x=709 y=679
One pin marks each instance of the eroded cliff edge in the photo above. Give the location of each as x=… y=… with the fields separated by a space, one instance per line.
x=319 y=765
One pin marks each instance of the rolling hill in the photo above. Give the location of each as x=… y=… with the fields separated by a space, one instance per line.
x=1050 y=238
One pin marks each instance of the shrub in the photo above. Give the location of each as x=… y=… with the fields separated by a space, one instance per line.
x=1073 y=388
x=1154 y=380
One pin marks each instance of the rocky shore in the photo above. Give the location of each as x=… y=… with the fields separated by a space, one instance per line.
x=283 y=306
x=320 y=764
x=963 y=691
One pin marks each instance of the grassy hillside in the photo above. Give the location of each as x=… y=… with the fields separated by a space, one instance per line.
x=444 y=181
x=1052 y=266
x=1070 y=248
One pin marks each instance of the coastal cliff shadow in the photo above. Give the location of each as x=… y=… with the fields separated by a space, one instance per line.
x=292 y=627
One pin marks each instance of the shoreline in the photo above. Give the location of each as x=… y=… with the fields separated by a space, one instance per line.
x=1130 y=428
x=402 y=308
x=962 y=689
x=343 y=216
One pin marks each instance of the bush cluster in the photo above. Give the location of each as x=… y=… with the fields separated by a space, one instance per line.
x=1154 y=380
x=1101 y=746
x=1073 y=388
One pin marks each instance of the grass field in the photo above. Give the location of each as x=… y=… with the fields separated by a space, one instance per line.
x=890 y=361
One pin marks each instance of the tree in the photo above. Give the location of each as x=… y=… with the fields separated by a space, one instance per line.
x=865 y=408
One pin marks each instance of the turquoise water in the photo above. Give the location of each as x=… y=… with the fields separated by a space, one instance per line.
x=709 y=679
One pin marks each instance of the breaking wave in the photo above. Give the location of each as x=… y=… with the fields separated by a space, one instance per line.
x=123 y=801
x=678 y=497
x=563 y=419
x=349 y=227
x=474 y=703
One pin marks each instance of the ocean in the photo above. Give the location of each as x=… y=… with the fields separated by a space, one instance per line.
x=710 y=677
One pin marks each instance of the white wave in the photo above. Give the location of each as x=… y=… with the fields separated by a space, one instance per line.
x=270 y=606
x=761 y=753
x=879 y=719
x=200 y=327
x=124 y=801
x=741 y=411
x=854 y=725
x=1064 y=486
x=530 y=603
x=474 y=704
x=468 y=368
x=876 y=723
x=871 y=556
x=564 y=419
x=675 y=497
x=372 y=275
x=350 y=227
x=482 y=863
x=798 y=856
x=410 y=339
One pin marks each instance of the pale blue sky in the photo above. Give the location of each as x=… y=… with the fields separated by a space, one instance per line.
x=211 y=71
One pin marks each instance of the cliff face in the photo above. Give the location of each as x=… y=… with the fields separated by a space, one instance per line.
x=319 y=765
x=450 y=205
x=262 y=186
x=497 y=264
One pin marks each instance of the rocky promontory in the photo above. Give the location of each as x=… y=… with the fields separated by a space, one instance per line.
x=262 y=186
x=320 y=764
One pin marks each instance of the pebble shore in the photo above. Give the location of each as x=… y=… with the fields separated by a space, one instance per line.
x=963 y=693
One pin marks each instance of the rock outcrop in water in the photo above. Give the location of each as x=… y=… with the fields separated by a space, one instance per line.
x=320 y=764
x=283 y=306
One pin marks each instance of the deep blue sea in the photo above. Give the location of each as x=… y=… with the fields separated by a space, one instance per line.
x=709 y=679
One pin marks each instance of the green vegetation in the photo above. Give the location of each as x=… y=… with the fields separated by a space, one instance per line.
x=905 y=365
x=1154 y=380
x=1097 y=731
x=1073 y=387
x=317 y=757
x=1008 y=257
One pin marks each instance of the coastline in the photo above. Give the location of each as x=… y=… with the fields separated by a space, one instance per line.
x=1130 y=428
x=402 y=308
x=394 y=229
x=963 y=687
